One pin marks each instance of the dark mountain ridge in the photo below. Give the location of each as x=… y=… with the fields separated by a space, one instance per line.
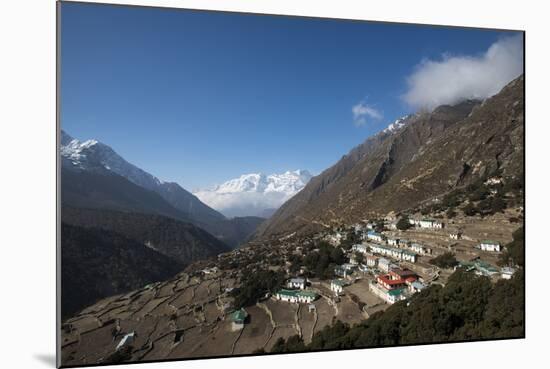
x=178 y=240
x=96 y=263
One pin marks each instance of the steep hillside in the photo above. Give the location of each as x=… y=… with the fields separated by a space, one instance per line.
x=178 y=240
x=431 y=154
x=85 y=189
x=96 y=263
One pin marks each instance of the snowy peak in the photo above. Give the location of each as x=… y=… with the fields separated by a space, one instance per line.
x=76 y=151
x=254 y=193
x=254 y=182
x=288 y=182
x=94 y=155
x=398 y=124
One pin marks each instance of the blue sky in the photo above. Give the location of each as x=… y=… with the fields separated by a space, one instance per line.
x=202 y=97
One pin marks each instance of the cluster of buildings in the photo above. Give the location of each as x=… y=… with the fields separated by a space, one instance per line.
x=396 y=285
x=479 y=267
x=396 y=253
x=296 y=292
x=482 y=268
x=393 y=252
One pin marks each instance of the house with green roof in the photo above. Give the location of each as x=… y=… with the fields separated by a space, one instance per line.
x=337 y=285
x=238 y=319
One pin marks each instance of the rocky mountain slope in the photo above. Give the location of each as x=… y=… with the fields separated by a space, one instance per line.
x=428 y=155
x=254 y=194
x=98 y=263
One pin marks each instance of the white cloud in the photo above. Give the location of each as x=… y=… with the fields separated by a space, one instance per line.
x=456 y=78
x=362 y=111
x=243 y=203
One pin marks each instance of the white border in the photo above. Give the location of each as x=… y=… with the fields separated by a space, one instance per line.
x=28 y=181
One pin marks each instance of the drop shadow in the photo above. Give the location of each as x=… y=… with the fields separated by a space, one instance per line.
x=48 y=359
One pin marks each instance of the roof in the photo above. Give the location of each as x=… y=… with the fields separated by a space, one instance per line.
x=490 y=242
x=389 y=281
x=239 y=315
x=403 y=273
x=418 y=285
x=383 y=261
x=339 y=282
x=396 y=292
x=290 y=293
x=297 y=280
x=507 y=270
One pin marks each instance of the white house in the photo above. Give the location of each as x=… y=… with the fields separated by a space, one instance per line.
x=403 y=243
x=488 y=245
x=507 y=272
x=371 y=260
x=426 y=223
x=493 y=181
x=375 y=236
x=306 y=297
x=337 y=285
x=430 y=223
x=420 y=249
x=393 y=241
x=297 y=282
x=360 y=248
x=384 y=264
x=296 y=296
x=455 y=235
x=394 y=253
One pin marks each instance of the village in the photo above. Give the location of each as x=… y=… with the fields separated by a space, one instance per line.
x=194 y=314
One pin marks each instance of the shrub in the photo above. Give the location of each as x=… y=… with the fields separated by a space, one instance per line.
x=446 y=260
x=403 y=224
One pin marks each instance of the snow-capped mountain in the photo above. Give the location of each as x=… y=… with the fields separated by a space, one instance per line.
x=92 y=155
x=397 y=124
x=254 y=194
